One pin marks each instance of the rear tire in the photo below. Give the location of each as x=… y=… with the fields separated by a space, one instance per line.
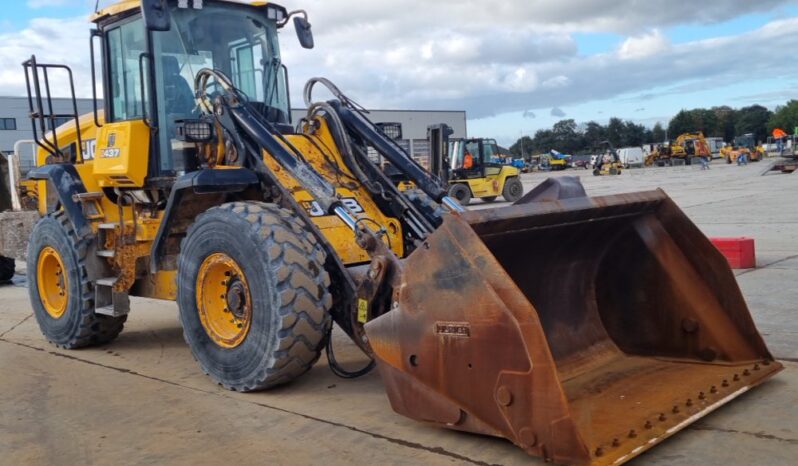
x=282 y=264
x=461 y=192
x=76 y=325
x=6 y=268
x=513 y=189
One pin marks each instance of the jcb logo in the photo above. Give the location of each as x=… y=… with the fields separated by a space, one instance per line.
x=315 y=210
x=89 y=147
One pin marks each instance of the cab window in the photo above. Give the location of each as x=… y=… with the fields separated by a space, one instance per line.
x=126 y=43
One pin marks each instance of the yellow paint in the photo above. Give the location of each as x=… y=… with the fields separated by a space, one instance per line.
x=493 y=182
x=337 y=233
x=52 y=282
x=362 y=310
x=226 y=327
x=127 y=5
x=121 y=158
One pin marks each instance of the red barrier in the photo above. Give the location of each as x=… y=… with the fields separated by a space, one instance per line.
x=738 y=251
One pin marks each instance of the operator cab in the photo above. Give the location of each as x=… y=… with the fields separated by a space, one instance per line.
x=152 y=56
x=473 y=158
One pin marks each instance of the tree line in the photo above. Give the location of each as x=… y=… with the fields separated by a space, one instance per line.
x=725 y=122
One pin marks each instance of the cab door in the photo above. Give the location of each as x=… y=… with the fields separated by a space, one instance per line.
x=123 y=142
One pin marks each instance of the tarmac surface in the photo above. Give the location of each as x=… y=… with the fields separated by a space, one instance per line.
x=143 y=399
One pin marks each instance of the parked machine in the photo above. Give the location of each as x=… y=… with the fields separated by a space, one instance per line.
x=555 y=160
x=743 y=145
x=18 y=213
x=472 y=174
x=608 y=163
x=684 y=148
x=265 y=233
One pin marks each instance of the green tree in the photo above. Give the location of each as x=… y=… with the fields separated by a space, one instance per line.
x=786 y=118
x=705 y=121
x=615 y=131
x=594 y=134
x=681 y=123
x=567 y=138
x=633 y=134
x=658 y=133
x=523 y=147
x=726 y=117
x=753 y=119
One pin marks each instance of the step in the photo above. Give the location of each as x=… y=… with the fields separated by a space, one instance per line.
x=108 y=301
x=90 y=196
x=106 y=253
x=107 y=281
x=108 y=311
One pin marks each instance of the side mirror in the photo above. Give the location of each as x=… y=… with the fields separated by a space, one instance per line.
x=303 y=32
x=156 y=15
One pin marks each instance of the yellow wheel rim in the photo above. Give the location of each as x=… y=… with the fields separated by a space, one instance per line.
x=223 y=300
x=53 y=283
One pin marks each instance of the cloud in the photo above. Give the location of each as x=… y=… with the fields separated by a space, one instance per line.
x=557 y=112
x=644 y=45
x=63 y=41
x=511 y=56
x=529 y=114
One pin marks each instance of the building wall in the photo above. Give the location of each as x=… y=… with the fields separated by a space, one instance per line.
x=414 y=122
x=17 y=109
x=414 y=127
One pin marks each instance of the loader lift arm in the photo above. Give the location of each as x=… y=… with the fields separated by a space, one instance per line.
x=514 y=322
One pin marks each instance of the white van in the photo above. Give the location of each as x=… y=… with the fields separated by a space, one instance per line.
x=632 y=156
x=715 y=144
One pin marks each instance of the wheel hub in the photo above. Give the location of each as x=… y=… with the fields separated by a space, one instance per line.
x=236 y=299
x=52 y=282
x=223 y=300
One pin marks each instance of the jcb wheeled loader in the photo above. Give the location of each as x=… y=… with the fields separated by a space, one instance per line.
x=194 y=186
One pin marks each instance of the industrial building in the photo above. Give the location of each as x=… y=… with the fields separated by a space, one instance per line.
x=15 y=124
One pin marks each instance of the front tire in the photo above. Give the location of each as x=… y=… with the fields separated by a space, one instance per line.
x=59 y=288
x=513 y=190
x=461 y=192
x=253 y=295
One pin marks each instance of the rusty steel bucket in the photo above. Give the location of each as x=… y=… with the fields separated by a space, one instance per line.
x=584 y=330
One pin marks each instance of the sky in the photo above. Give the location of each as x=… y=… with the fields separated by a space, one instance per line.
x=515 y=66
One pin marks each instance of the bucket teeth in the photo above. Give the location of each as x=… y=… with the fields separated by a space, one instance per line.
x=571 y=326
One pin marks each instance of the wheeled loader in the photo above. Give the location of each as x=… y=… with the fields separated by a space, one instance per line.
x=194 y=185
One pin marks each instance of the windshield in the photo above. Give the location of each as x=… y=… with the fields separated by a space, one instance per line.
x=240 y=41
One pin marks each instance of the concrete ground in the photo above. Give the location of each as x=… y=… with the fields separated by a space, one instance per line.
x=143 y=400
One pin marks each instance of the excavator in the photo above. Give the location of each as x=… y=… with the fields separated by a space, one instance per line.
x=516 y=322
x=685 y=147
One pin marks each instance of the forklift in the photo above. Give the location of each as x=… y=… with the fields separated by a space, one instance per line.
x=466 y=167
x=608 y=163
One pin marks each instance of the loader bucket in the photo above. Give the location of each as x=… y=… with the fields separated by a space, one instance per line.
x=584 y=330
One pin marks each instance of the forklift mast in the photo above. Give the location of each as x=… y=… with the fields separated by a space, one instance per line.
x=438 y=137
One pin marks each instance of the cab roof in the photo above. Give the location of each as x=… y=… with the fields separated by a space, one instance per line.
x=123 y=6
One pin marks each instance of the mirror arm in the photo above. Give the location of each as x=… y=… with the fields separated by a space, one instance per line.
x=289 y=15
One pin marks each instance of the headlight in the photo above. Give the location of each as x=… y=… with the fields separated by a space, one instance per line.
x=194 y=131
